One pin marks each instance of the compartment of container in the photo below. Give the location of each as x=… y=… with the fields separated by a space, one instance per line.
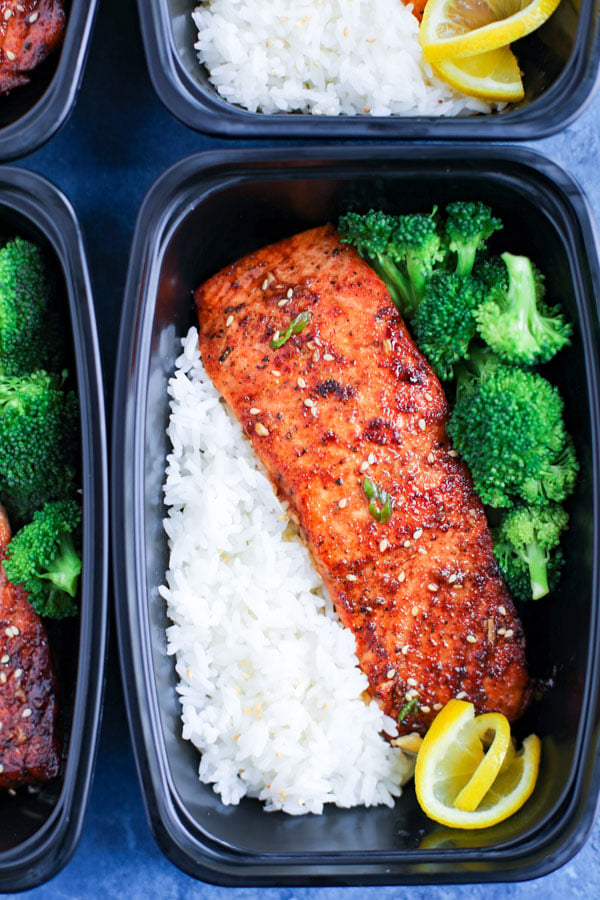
x=31 y=113
x=559 y=64
x=204 y=213
x=40 y=827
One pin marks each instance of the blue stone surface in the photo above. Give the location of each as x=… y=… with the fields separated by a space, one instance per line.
x=118 y=140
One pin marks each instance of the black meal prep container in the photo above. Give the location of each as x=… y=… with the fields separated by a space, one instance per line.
x=560 y=65
x=39 y=830
x=32 y=114
x=203 y=213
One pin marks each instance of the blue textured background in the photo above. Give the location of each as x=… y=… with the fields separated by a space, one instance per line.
x=117 y=142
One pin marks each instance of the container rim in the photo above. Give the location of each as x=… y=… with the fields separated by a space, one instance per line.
x=49 y=114
x=41 y=856
x=204 y=110
x=176 y=832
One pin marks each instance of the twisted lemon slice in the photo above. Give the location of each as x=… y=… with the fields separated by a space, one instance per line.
x=461 y=785
x=452 y=29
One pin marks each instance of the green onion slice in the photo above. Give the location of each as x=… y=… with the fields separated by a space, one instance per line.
x=297 y=325
x=380 y=505
x=408 y=709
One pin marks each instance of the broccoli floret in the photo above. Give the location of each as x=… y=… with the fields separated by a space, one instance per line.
x=38 y=442
x=555 y=478
x=507 y=425
x=42 y=558
x=417 y=245
x=403 y=250
x=515 y=322
x=525 y=544
x=491 y=270
x=371 y=234
x=468 y=227
x=444 y=323
x=517 y=577
x=29 y=333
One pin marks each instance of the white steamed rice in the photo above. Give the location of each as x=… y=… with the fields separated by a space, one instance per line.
x=269 y=682
x=327 y=57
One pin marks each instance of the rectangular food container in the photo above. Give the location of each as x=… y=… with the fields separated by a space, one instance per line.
x=32 y=114
x=39 y=830
x=202 y=214
x=560 y=65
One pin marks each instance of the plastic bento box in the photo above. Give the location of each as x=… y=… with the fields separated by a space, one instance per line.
x=30 y=115
x=559 y=62
x=39 y=829
x=202 y=214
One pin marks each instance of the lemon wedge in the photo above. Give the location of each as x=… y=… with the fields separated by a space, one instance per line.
x=459 y=784
x=493 y=76
x=452 y=29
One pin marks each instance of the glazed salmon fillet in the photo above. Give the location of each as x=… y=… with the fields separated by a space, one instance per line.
x=30 y=745
x=347 y=406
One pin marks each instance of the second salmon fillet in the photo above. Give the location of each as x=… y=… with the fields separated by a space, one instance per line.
x=344 y=407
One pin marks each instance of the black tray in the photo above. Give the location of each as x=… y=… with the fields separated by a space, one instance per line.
x=203 y=213
x=31 y=114
x=560 y=63
x=40 y=830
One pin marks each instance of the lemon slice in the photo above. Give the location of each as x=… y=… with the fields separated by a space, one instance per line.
x=485 y=774
x=524 y=819
x=451 y=763
x=491 y=76
x=452 y=29
x=449 y=769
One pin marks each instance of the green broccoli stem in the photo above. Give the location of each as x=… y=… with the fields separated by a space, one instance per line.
x=417 y=276
x=537 y=560
x=465 y=259
x=65 y=568
x=399 y=287
x=463 y=378
x=522 y=293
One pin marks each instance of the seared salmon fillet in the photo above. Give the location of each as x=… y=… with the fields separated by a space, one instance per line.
x=29 y=734
x=29 y=31
x=345 y=407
